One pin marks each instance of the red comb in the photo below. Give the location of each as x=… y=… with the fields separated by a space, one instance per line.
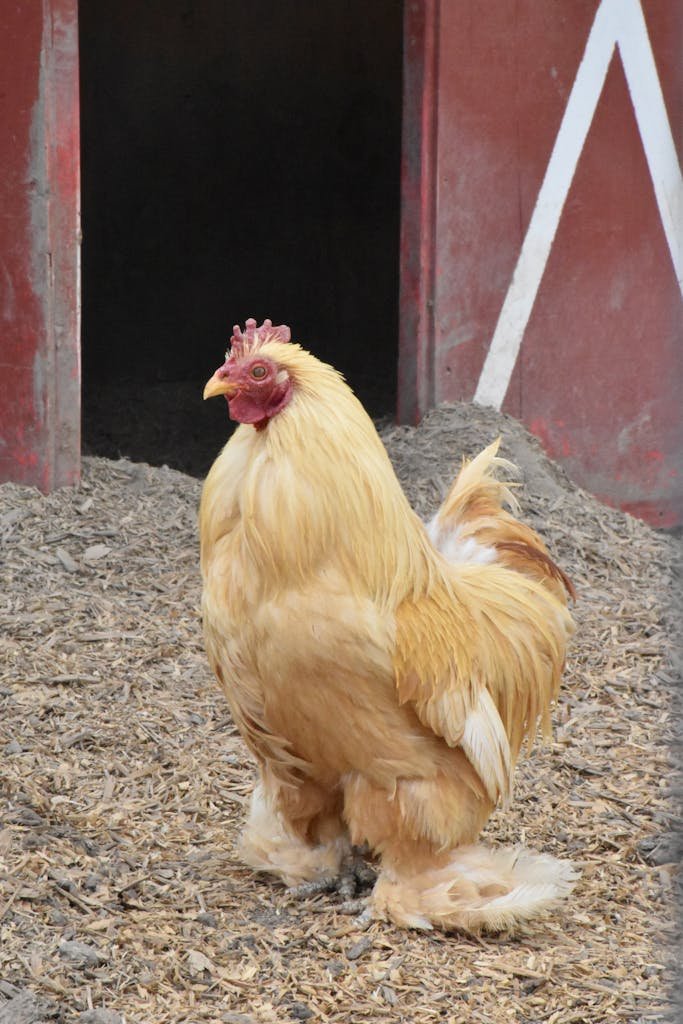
x=253 y=336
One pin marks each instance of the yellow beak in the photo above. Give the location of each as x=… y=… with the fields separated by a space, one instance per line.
x=219 y=386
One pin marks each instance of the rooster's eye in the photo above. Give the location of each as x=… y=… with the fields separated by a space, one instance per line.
x=259 y=372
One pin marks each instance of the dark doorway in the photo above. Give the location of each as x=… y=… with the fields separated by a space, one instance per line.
x=238 y=159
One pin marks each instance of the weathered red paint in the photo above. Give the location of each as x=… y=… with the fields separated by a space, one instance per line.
x=416 y=322
x=39 y=240
x=599 y=376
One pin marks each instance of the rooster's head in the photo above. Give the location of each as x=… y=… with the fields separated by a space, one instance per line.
x=255 y=386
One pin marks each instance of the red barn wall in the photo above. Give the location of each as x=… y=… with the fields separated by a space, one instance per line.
x=39 y=237
x=597 y=304
x=598 y=372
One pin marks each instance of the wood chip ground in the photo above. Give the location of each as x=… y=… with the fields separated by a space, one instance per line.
x=123 y=781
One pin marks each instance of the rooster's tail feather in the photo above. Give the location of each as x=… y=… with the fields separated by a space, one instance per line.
x=473 y=524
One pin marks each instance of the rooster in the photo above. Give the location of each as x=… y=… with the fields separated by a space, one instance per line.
x=383 y=674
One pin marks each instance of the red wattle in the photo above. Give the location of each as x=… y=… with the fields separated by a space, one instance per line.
x=245 y=407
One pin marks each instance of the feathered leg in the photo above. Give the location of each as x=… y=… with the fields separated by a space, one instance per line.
x=296 y=834
x=471 y=888
x=425 y=882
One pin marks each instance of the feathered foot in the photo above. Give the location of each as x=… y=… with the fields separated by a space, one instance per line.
x=475 y=890
x=269 y=843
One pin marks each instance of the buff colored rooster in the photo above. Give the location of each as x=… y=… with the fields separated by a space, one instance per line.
x=384 y=674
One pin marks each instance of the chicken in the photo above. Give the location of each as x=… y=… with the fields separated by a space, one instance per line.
x=383 y=674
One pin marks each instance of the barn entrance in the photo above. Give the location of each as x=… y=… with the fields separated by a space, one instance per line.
x=237 y=160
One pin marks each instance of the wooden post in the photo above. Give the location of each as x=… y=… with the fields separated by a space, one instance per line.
x=418 y=204
x=39 y=244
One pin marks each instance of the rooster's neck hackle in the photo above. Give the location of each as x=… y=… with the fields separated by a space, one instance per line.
x=312 y=481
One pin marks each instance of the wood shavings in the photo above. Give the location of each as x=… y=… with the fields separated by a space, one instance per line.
x=124 y=782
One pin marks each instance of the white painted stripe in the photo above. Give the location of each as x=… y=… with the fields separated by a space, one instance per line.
x=653 y=124
x=616 y=21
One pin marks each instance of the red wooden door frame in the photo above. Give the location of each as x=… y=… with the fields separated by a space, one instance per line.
x=416 y=393
x=40 y=240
